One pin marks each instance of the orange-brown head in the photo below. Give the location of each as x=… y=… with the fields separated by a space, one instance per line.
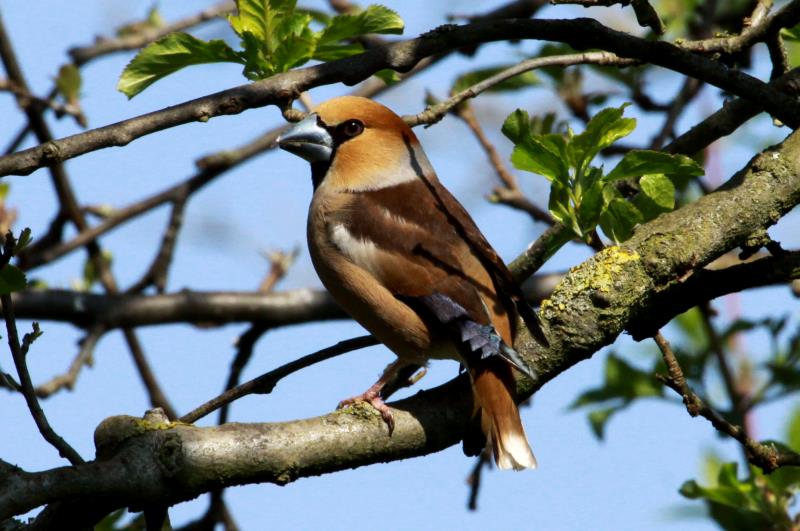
x=356 y=144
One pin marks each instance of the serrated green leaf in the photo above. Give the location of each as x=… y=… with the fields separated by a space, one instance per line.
x=260 y=18
x=590 y=201
x=605 y=128
x=523 y=80
x=68 y=83
x=11 y=279
x=657 y=196
x=543 y=155
x=618 y=220
x=517 y=126
x=373 y=19
x=275 y=36
x=643 y=162
x=168 y=55
x=560 y=207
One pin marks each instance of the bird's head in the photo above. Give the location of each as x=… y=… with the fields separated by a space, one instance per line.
x=355 y=144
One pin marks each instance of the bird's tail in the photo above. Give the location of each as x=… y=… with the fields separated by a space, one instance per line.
x=492 y=382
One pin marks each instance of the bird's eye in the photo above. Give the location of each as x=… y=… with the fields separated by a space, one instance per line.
x=351 y=128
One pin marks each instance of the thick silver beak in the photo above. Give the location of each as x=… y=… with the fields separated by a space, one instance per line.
x=307 y=139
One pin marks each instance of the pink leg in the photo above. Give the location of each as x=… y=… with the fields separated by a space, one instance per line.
x=373 y=394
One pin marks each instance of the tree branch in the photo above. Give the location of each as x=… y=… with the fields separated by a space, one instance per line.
x=402 y=56
x=589 y=308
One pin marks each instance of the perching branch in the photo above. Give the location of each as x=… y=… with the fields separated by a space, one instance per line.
x=402 y=56
x=589 y=308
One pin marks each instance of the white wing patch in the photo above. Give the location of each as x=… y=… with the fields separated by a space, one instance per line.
x=361 y=252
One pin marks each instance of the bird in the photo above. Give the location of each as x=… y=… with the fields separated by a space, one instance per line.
x=402 y=257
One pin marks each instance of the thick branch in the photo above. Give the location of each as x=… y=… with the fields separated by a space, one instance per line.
x=120 y=310
x=588 y=309
x=402 y=56
x=708 y=284
x=201 y=307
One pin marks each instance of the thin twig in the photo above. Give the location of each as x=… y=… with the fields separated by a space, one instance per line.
x=18 y=352
x=67 y=380
x=156 y=274
x=434 y=113
x=474 y=479
x=402 y=56
x=690 y=88
x=69 y=206
x=765 y=456
x=508 y=193
x=27 y=99
x=266 y=382
x=104 y=45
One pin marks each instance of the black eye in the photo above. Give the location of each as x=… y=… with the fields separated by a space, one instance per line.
x=351 y=128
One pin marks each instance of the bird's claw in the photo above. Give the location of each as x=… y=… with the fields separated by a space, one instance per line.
x=375 y=400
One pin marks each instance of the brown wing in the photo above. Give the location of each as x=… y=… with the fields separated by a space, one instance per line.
x=408 y=240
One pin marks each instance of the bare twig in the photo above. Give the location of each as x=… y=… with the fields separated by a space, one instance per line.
x=761 y=27
x=84 y=357
x=156 y=274
x=279 y=264
x=434 y=113
x=104 y=45
x=27 y=99
x=483 y=461
x=402 y=56
x=690 y=88
x=18 y=352
x=767 y=457
x=69 y=206
x=266 y=382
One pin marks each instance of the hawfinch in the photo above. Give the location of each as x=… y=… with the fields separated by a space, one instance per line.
x=404 y=259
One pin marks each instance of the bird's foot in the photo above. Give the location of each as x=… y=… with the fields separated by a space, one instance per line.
x=373 y=397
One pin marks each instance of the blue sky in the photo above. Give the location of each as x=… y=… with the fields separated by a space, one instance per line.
x=628 y=481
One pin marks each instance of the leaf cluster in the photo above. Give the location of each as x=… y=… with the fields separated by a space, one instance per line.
x=581 y=194
x=275 y=36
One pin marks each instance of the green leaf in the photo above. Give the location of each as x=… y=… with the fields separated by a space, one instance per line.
x=168 y=55
x=390 y=77
x=261 y=18
x=517 y=126
x=520 y=81
x=605 y=128
x=374 y=19
x=643 y=162
x=599 y=418
x=791 y=34
x=591 y=200
x=23 y=241
x=11 y=279
x=657 y=196
x=618 y=220
x=793 y=430
x=274 y=36
x=68 y=83
x=545 y=155
x=560 y=207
